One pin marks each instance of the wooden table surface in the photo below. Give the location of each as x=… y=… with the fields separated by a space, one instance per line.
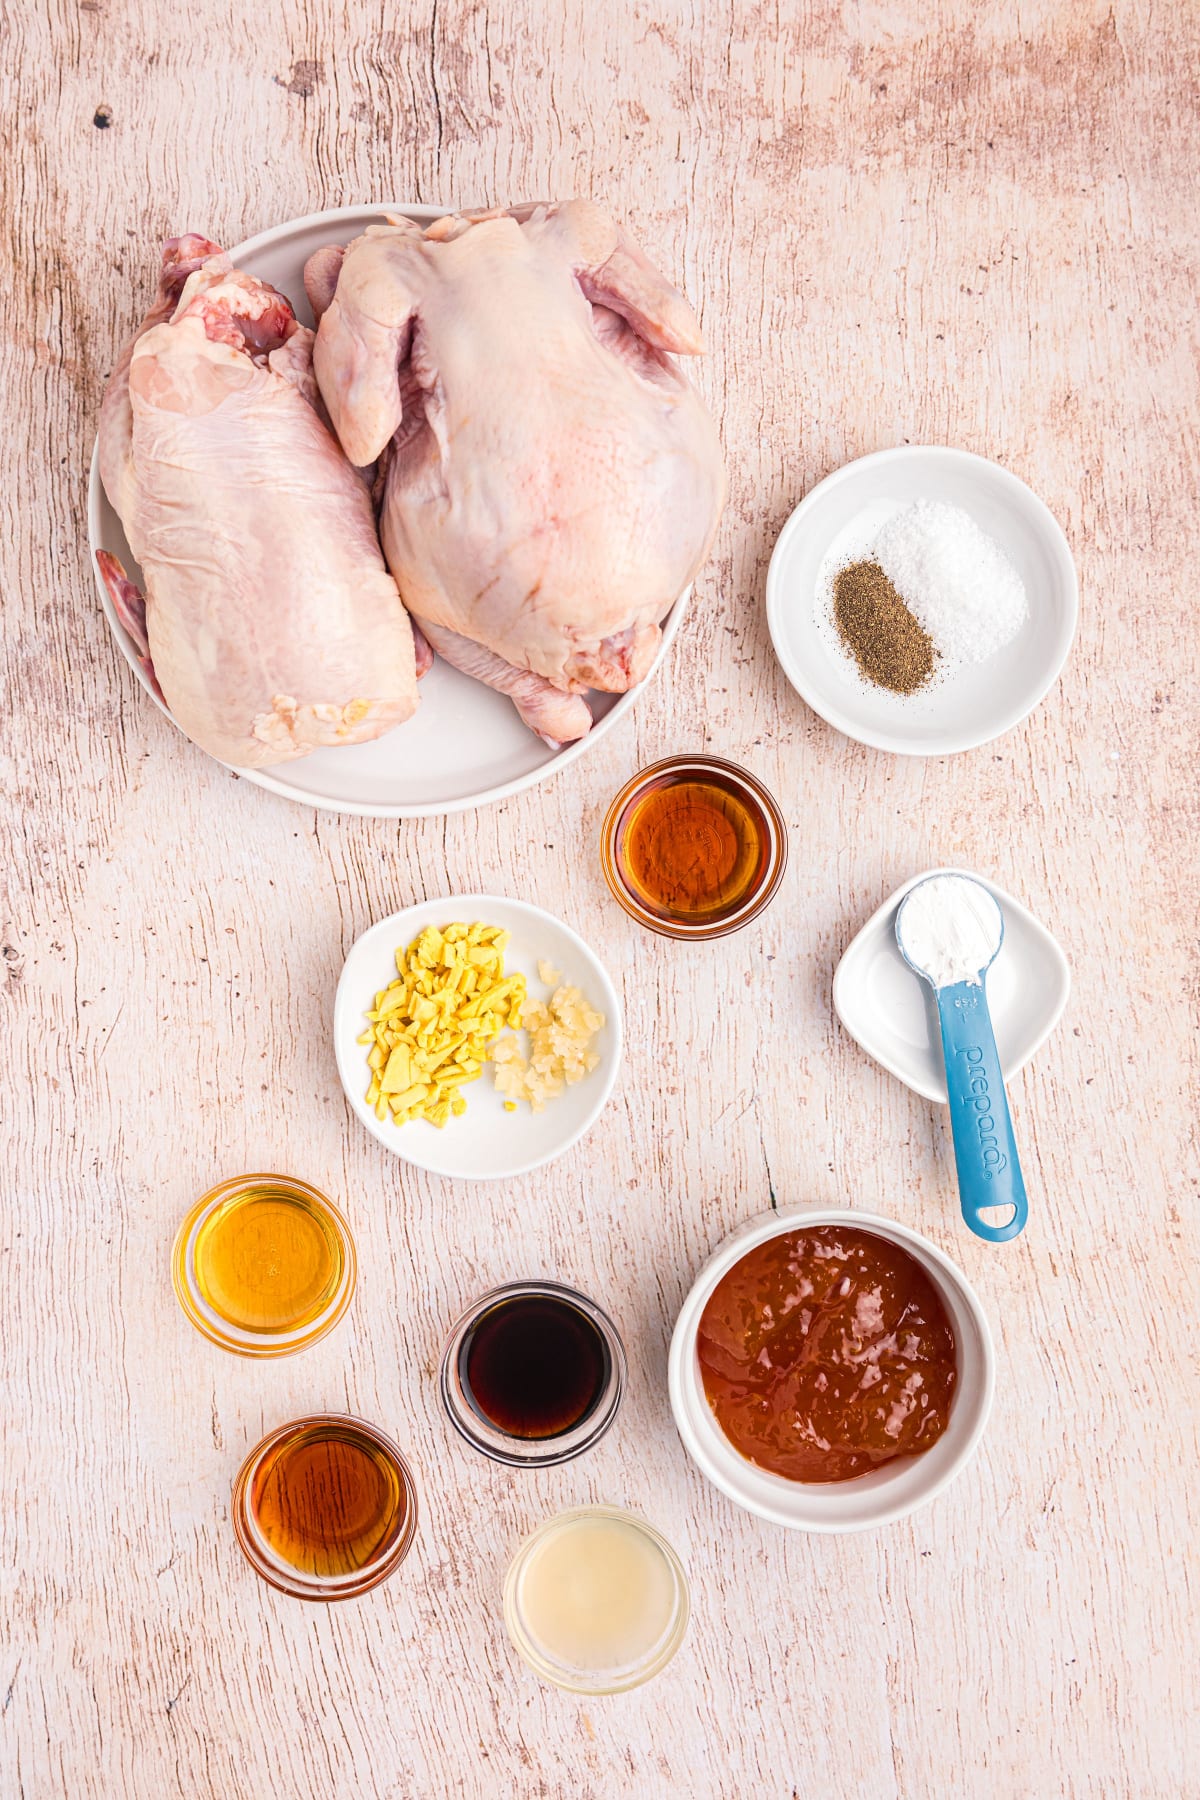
x=902 y=221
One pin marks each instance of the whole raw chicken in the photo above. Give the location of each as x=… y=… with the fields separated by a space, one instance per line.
x=551 y=482
x=270 y=623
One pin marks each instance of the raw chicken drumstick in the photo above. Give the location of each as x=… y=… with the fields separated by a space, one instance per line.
x=550 y=481
x=270 y=624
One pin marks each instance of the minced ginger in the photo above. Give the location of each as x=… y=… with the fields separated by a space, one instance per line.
x=430 y=1031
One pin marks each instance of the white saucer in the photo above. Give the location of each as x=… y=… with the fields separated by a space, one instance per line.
x=967 y=706
x=890 y=1011
x=486 y=1143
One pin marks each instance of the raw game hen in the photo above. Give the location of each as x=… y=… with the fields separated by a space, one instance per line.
x=270 y=622
x=550 y=481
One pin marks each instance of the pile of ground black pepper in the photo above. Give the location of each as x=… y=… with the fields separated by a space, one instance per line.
x=887 y=643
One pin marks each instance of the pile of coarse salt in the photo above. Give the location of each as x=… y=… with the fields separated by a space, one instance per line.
x=955 y=580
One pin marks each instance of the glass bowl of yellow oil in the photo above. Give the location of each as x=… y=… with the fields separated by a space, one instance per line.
x=693 y=847
x=264 y=1265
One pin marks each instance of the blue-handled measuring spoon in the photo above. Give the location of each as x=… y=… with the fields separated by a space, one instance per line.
x=985 y=1150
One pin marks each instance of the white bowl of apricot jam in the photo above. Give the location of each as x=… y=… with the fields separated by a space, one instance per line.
x=831 y=1370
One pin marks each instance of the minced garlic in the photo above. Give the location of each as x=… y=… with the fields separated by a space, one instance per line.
x=431 y=1029
x=560 y=1034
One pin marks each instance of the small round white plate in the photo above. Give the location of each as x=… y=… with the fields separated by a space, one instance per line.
x=965 y=707
x=465 y=745
x=890 y=1011
x=486 y=1143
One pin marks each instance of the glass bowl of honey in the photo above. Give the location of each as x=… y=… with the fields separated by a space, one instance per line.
x=325 y=1507
x=533 y=1374
x=264 y=1265
x=694 y=847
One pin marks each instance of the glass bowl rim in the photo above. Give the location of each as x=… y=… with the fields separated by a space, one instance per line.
x=261 y=1344
x=761 y=897
x=541 y=1453
x=575 y=1681
x=285 y=1576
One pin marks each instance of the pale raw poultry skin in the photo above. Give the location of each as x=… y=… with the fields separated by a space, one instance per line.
x=271 y=624
x=551 y=481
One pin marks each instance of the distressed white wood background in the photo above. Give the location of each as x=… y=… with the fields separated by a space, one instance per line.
x=969 y=223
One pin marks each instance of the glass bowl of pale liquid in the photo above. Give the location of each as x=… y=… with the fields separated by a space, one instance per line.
x=596 y=1601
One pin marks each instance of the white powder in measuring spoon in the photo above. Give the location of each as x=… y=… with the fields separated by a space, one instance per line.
x=950 y=928
x=954 y=579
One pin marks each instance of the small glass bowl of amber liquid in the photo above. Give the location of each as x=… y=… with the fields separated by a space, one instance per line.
x=264 y=1265
x=693 y=847
x=325 y=1508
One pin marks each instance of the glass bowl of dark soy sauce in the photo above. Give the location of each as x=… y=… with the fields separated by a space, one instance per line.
x=533 y=1374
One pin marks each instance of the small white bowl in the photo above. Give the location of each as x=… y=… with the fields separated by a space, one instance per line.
x=486 y=1143
x=966 y=706
x=885 y=1494
x=890 y=1011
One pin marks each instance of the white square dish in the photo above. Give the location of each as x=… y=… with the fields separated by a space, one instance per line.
x=890 y=1011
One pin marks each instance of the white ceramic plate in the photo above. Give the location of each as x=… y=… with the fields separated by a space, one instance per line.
x=886 y=1494
x=486 y=1143
x=966 y=707
x=890 y=1011
x=465 y=745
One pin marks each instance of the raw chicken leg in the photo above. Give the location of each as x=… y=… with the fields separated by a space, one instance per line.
x=269 y=622
x=550 y=481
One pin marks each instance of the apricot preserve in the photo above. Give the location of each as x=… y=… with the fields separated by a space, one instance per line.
x=826 y=1353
